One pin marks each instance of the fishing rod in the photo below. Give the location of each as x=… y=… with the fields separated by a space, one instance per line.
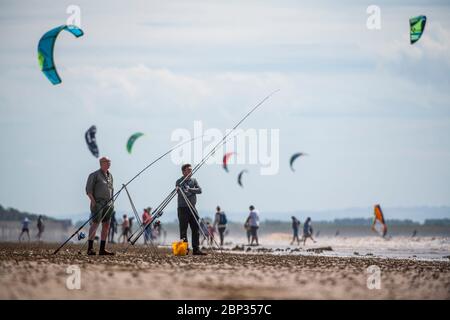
x=101 y=219
x=166 y=201
x=133 y=207
x=195 y=214
x=138 y=219
x=113 y=197
x=157 y=212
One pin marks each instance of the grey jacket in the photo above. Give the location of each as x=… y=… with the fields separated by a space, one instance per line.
x=100 y=185
x=191 y=189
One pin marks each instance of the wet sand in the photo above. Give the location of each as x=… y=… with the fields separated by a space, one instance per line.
x=31 y=271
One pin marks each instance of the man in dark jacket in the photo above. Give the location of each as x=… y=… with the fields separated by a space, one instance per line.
x=189 y=186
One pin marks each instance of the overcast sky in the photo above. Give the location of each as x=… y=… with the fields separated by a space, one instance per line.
x=371 y=110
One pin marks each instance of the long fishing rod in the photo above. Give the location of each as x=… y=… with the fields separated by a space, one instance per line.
x=172 y=194
x=166 y=201
x=101 y=219
x=113 y=197
x=138 y=219
x=195 y=214
x=133 y=207
x=157 y=212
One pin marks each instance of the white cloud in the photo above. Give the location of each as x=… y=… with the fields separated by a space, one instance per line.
x=346 y=94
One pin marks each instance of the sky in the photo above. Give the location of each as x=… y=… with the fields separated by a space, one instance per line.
x=371 y=110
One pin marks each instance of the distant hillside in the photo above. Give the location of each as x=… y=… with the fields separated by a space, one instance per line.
x=11 y=214
x=350 y=216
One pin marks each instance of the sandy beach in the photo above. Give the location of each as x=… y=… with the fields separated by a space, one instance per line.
x=31 y=271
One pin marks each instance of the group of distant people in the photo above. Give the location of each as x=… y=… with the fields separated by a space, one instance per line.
x=219 y=225
x=26 y=229
x=208 y=230
x=251 y=226
x=153 y=232
x=307 y=230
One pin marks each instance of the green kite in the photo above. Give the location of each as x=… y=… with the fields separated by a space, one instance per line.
x=132 y=139
x=417 y=27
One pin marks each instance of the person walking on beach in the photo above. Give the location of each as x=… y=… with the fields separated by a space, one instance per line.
x=221 y=222
x=161 y=232
x=295 y=226
x=146 y=218
x=307 y=231
x=40 y=226
x=130 y=219
x=190 y=187
x=125 y=229
x=204 y=231
x=25 y=229
x=248 y=230
x=158 y=231
x=99 y=189
x=211 y=232
x=253 y=221
x=112 y=227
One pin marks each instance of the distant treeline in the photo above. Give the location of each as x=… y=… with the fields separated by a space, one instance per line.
x=437 y=222
x=11 y=214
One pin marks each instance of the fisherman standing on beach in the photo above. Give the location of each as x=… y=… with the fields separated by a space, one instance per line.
x=189 y=186
x=99 y=189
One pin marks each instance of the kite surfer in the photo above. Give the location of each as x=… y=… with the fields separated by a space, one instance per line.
x=379 y=216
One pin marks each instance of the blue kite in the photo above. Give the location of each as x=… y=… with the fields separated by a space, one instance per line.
x=45 y=51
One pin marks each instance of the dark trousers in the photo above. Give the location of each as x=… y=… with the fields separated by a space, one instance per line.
x=186 y=218
x=221 y=233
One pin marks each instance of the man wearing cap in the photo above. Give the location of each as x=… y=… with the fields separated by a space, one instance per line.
x=99 y=189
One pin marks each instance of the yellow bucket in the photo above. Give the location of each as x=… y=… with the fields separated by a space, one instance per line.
x=180 y=248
